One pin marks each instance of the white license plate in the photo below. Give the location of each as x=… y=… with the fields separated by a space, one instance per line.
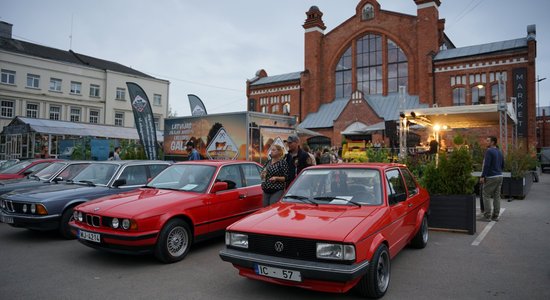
x=6 y=219
x=278 y=273
x=89 y=236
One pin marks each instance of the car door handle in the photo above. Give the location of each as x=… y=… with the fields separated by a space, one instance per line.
x=242 y=196
x=410 y=204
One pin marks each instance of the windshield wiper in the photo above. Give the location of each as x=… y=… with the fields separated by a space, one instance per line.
x=330 y=198
x=301 y=198
x=88 y=182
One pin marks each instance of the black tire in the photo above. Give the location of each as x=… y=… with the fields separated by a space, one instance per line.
x=376 y=281
x=420 y=239
x=64 y=228
x=174 y=241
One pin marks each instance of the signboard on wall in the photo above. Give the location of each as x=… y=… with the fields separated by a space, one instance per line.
x=519 y=90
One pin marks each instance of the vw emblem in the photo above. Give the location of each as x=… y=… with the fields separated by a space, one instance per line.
x=279 y=246
x=96 y=209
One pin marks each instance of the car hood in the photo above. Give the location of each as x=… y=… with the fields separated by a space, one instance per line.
x=20 y=184
x=51 y=192
x=305 y=221
x=10 y=176
x=142 y=202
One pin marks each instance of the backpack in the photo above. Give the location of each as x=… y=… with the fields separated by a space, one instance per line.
x=325 y=158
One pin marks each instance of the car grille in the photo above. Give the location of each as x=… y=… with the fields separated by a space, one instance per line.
x=287 y=247
x=92 y=220
x=14 y=207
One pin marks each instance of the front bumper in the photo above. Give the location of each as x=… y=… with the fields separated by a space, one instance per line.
x=320 y=271
x=34 y=222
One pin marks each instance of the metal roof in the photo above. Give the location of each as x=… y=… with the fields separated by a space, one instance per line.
x=481 y=49
x=277 y=78
x=46 y=126
x=386 y=107
x=17 y=46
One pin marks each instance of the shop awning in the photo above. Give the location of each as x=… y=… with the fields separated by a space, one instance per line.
x=361 y=128
x=44 y=126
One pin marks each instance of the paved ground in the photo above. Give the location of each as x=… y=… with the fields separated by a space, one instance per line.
x=509 y=259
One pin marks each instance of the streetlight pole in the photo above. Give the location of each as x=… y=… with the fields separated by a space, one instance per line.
x=538 y=93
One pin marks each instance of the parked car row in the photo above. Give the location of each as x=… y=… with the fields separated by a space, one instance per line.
x=335 y=228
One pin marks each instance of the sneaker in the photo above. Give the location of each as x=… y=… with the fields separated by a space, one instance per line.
x=494 y=218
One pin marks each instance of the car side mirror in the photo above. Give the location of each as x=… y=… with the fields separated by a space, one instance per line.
x=27 y=173
x=219 y=186
x=57 y=179
x=119 y=182
x=396 y=198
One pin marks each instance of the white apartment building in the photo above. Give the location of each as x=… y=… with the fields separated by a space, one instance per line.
x=46 y=83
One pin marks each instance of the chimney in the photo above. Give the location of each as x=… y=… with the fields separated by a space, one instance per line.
x=5 y=30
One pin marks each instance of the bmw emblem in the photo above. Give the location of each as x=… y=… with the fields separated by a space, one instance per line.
x=279 y=246
x=96 y=209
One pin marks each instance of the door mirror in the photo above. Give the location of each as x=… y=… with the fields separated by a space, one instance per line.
x=119 y=182
x=57 y=179
x=396 y=198
x=219 y=186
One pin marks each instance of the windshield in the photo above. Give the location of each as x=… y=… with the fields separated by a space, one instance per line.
x=195 y=178
x=353 y=186
x=8 y=163
x=16 y=168
x=49 y=171
x=97 y=174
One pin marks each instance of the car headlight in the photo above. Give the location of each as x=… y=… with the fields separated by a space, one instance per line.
x=125 y=224
x=236 y=239
x=25 y=208
x=33 y=208
x=335 y=251
x=114 y=223
x=80 y=216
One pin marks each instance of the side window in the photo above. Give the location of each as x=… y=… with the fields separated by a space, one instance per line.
x=411 y=184
x=134 y=175
x=38 y=167
x=251 y=174
x=396 y=185
x=231 y=175
x=71 y=171
x=154 y=170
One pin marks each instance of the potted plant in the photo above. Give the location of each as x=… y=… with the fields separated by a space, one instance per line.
x=451 y=187
x=520 y=163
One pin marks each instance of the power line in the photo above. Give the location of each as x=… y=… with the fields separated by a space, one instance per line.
x=465 y=12
x=194 y=82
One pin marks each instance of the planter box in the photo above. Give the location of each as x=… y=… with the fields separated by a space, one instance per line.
x=453 y=212
x=517 y=187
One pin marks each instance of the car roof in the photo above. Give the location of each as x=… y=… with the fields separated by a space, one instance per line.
x=380 y=166
x=215 y=163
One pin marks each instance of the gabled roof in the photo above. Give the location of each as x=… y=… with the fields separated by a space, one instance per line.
x=21 y=47
x=277 y=78
x=386 y=107
x=481 y=49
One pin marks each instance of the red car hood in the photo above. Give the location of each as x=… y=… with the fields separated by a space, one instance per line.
x=305 y=221
x=10 y=176
x=142 y=202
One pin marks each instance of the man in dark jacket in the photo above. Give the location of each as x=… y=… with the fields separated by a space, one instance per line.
x=296 y=158
x=491 y=178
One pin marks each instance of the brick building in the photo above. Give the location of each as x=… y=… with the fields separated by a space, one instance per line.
x=353 y=78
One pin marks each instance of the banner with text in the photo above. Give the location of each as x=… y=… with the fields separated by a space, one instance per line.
x=143 y=116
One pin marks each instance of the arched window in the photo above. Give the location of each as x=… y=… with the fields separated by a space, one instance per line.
x=286 y=108
x=459 y=96
x=495 y=94
x=398 y=67
x=478 y=94
x=368 y=12
x=275 y=108
x=375 y=54
x=369 y=64
x=343 y=75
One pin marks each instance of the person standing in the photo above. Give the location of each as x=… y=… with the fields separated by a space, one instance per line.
x=116 y=153
x=296 y=158
x=274 y=176
x=193 y=153
x=491 y=179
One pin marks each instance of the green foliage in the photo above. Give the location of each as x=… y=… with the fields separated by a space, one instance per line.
x=82 y=150
x=477 y=156
x=458 y=140
x=452 y=175
x=378 y=155
x=518 y=161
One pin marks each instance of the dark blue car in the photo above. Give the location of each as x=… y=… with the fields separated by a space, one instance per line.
x=51 y=207
x=57 y=172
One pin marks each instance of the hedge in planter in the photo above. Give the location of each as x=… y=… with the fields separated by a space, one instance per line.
x=519 y=162
x=451 y=187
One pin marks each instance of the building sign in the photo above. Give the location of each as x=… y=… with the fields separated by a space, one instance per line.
x=222 y=147
x=143 y=116
x=519 y=91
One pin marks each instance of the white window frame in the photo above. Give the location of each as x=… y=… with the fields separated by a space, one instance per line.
x=8 y=77
x=55 y=84
x=32 y=112
x=7 y=108
x=119 y=119
x=75 y=114
x=56 y=114
x=94 y=116
x=94 y=90
x=120 y=94
x=76 y=87
x=157 y=99
x=33 y=81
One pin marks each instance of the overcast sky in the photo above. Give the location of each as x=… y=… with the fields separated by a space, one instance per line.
x=211 y=47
